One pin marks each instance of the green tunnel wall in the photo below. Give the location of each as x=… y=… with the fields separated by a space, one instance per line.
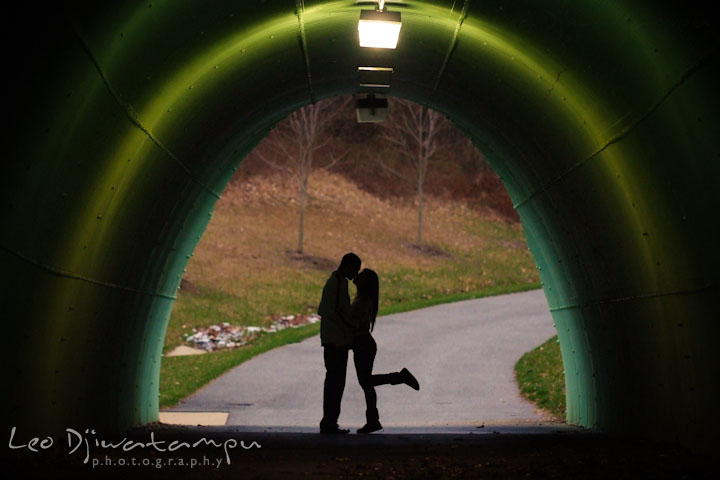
x=127 y=119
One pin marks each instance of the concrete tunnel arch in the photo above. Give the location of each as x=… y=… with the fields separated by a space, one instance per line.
x=128 y=120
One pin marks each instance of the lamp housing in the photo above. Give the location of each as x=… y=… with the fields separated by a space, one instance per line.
x=371 y=109
x=375 y=77
x=379 y=28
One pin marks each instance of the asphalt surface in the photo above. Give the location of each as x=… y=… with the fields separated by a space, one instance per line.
x=461 y=353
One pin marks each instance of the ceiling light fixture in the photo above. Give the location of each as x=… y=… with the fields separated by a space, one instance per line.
x=375 y=77
x=371 y=109
x=379 y=28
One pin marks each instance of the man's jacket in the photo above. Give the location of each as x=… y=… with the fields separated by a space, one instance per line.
x=334 y=311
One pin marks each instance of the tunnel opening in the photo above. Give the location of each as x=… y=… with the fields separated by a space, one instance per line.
x=246 y=255
x=127 y=129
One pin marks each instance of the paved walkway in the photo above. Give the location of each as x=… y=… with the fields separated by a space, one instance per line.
x=462 y=354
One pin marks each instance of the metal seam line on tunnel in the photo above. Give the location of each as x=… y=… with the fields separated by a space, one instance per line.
x=300 y=12
x=134 y=117
x=453 y=42
x=75 y=276
x=633 y=297
x=627 y=130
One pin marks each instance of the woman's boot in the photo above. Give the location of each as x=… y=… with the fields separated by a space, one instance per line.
x=373 y=422
x=409 y=379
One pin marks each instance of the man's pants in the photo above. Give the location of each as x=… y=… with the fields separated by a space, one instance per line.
x=335 y=368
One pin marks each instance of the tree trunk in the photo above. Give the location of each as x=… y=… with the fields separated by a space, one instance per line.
x=420 y=213
x=303 y=196
x=295 y=139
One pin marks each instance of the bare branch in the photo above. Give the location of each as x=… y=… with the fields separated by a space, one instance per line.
x=403 y=177
x=297 y=139
x=335 y=160
x=272 y=164
x=414 y=132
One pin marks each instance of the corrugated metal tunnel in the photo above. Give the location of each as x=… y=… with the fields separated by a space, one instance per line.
x=127 y=120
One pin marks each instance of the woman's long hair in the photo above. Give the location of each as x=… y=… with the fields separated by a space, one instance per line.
x=368 y=286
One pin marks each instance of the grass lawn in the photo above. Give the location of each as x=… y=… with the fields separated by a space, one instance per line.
x=539 y=374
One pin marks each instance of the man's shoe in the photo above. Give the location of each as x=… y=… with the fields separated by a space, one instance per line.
x=370 y=427
x=408 y=379
x=334 y=431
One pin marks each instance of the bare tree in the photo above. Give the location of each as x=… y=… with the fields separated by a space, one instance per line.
x=293 y=145
x=416 y=132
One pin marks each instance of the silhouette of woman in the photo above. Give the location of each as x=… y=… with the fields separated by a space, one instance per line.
x=363 y=313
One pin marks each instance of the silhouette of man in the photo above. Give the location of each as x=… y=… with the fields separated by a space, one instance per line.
x=336 y=337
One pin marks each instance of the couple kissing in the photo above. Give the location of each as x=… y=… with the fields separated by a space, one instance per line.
x=346 y=326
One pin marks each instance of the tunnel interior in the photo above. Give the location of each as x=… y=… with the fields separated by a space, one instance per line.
x=128 y=119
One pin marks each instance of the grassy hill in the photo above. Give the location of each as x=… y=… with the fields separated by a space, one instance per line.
x=245 y=271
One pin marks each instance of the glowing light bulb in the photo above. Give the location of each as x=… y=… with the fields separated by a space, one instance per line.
x=379 y=29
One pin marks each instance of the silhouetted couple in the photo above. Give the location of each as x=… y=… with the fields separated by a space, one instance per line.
x=346 y=326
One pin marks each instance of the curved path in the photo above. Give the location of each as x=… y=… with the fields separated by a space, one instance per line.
x=462 y=354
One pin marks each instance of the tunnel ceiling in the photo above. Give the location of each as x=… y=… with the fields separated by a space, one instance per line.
x=128 y=119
